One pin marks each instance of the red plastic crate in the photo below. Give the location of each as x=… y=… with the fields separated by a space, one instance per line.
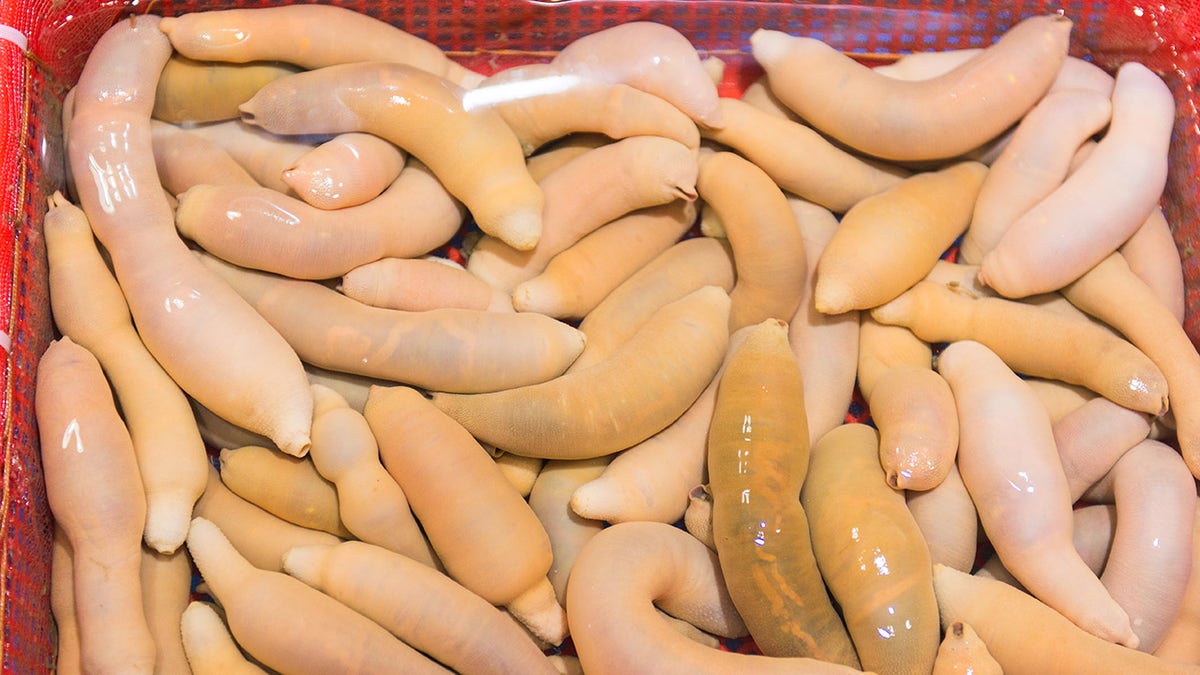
x=43 y=45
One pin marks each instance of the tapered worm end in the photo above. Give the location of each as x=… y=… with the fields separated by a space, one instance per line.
x=295 y=444
x=167 y=521
x=686 y=193
x=597 y=499
x=521 y=229
x=208 y=546
x=198 y=615
x=712 y=119
x=957 y=629
x=982 y=275
x=303 y=562
x=539 y=610
x=524 y=297
x=471 y=80
x=769 y=45
x=246 y=110
x=832 y=298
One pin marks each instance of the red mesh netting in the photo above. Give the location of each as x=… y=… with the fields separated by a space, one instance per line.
x=485 y=34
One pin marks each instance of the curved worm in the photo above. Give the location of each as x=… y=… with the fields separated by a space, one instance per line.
x=587 y=192
x=959 y=110
x=308 y=35
x=581 y=276
x=685 y=267
x=347 y=170
x=768 y=247
x=261 y=228
x=631 y=568
x=654 y=479
x=542 y=104
x=471 y=150
x=1034 y=341
x=628 y=397
x=1150 y=561
x=250 y=375
x=1033 y=164
x=1113 y=190
x=650 y=56
x=799 y=159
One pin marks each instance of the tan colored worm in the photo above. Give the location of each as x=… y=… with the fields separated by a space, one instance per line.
x=490 y=540
x=581 y=276
x=627 y=571
x=311 y=36
x=643 y=386
x=260 y=536
x=959 y=109
x=416 y=284
x=166 y=591
x=426 y=609
x=371 y=504
x=826 y=346
x=185 y=159
x=542 y=104
x=426 y=116
x=590 y=190
x=444 y=349
x=799 y=159
x=654 y=479
x=289 y=626
x=569 y=533
x=646 y=55
x=767 y=245
x=191 y=91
